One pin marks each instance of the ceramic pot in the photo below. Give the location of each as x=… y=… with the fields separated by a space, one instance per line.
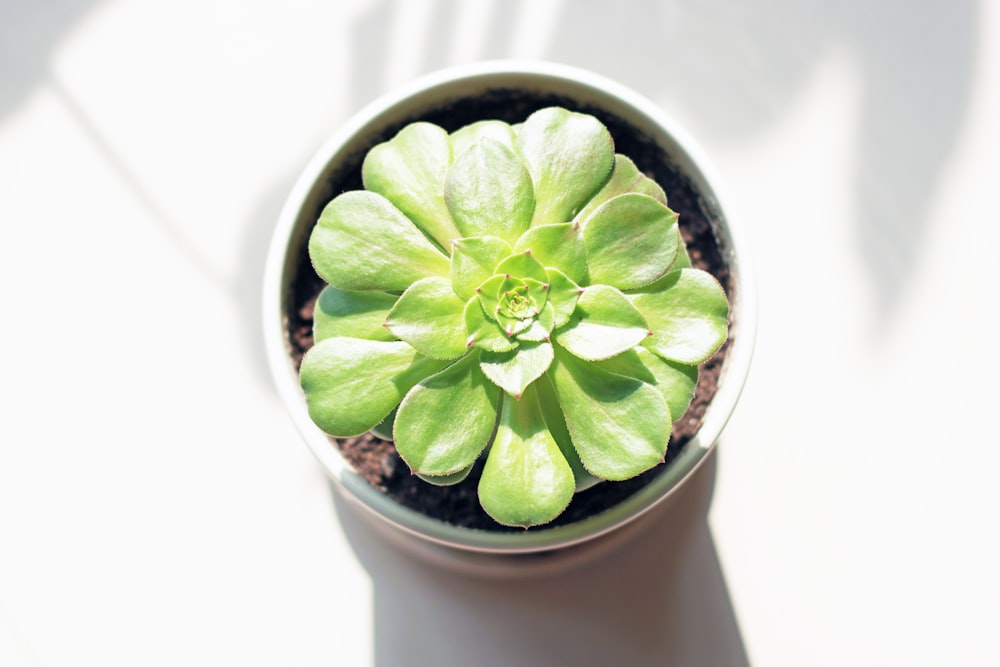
x=453 y=98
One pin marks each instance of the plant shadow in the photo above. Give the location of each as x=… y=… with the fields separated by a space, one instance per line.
x=658 y=598
x=734 y=69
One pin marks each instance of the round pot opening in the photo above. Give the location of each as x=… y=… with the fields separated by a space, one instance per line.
x=367 y=469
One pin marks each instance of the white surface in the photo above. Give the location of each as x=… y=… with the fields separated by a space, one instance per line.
x=156 y=507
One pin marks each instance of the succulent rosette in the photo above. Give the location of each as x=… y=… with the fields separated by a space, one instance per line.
x=518 y=290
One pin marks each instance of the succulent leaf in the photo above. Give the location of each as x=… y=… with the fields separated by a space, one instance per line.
x=620 y=426
x=431 y=318
x=410 y=171
x=351 y=384
x=526 y=480
x=513 y=371
x=631 y=241
x=541 y=326
x=552 y=413
x=683 y=261
x=363 y=242
x=352 y=314
x=605 y=323
x=688 y=317
x=472 y=134
x=557 y=246
x=523 y=265
x=570 y=156
x=485 y=332
x=446 y=421
x=563 y=295
x=489 y=191
x=675 y=381
x=625 y=177
x=473 y=260
x=489 y=293
x=447 y=480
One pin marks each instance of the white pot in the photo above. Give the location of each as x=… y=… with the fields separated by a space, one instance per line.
x=478 y=549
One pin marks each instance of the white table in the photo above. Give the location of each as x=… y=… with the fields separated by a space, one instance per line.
x=157 y=507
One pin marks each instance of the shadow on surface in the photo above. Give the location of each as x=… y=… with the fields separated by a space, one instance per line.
x=29 y=32
x=659 y=598
x=736 y=67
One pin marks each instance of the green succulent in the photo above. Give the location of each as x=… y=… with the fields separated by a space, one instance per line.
x=519 y=290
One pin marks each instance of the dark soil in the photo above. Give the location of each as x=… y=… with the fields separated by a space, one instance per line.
x=376 y=459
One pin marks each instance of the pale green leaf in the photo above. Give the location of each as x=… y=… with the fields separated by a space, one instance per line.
x=631 y=241
x=570 y=156
x=431 y=318
x=541 y=326
x=526 y=480
x=410 y=171
x=552 y=413
x=558 y=246
x=512 y=325
x=473 y=261
x=363 y=242
x=484 y=332
x=683 y=261
x=523 y=265
x=473 y=133
x=489 y=192
x=447 y=480
x=563 y=295
x=605 y=323
x=514 y=370
x=675 y=381
x=352 y=384
x=538 y=291
x=352 y=314
x=688 y=316
x=446 y=421
x=625 y=177
x=620 y=426
x=489 y=294
x=383 y=429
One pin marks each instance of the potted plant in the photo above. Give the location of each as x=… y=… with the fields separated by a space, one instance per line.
x=489 y=269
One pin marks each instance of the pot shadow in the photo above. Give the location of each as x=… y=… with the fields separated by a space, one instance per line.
x=659 y=597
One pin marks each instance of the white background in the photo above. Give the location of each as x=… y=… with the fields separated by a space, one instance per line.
x=158 y=508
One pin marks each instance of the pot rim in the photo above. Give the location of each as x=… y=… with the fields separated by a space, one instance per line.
x=593 y=89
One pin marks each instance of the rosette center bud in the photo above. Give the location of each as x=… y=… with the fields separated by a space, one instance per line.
x=517 y=303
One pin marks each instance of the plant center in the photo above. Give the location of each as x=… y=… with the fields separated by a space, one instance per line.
x=517 y=303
